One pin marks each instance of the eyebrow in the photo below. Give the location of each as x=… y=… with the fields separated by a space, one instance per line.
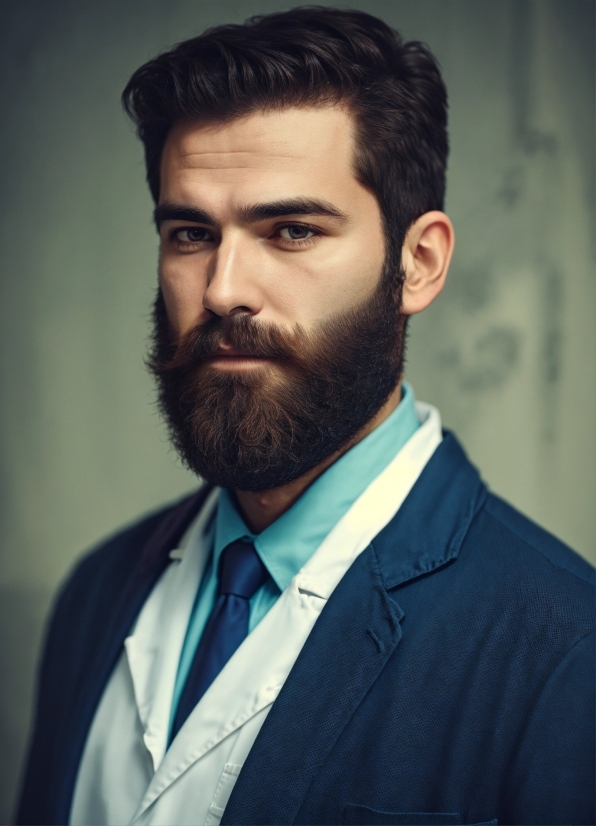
x=293 y=206
x=251 y=214
x=177 y=212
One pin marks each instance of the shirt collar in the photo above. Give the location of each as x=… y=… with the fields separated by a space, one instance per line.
x=287 y=544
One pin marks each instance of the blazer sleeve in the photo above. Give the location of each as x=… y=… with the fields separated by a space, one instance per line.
x=553 y=770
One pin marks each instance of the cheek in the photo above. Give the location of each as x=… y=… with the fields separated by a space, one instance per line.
x=183 y=290
x=343 y=281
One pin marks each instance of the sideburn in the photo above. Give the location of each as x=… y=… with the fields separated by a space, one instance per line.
x=259 y=429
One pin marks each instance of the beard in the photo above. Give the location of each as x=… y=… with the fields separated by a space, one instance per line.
x=261 y=428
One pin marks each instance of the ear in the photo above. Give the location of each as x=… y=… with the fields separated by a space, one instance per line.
x=426 y=254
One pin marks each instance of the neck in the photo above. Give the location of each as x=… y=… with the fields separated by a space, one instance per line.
x=261 y=508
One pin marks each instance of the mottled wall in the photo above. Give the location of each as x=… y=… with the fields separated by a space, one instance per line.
x=508 y=353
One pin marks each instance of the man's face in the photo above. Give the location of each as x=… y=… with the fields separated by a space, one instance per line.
x=277 y=337
x=251 y=254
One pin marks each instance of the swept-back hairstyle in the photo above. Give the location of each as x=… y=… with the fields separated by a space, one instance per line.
x=311 y=55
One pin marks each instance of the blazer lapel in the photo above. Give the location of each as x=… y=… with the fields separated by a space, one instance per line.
x=356 y=634
x=428 y=530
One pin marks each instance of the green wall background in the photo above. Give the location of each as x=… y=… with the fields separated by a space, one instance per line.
x=508 y=353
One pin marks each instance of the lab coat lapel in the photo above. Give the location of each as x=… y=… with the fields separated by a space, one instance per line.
x=249 y=682
x=348 y=647
x=153 y=650
x=105 y=649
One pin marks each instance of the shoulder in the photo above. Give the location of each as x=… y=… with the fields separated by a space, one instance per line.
x=543 y=604
x=105 y=589
x=98 y=580
x=115 y=556
x=526 y=573
x=501 y=577
x=533 y=540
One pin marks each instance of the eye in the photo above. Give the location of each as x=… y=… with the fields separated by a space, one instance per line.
x=296 y=232
x=192 y=235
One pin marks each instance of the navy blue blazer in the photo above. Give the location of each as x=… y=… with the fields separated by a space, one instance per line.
x=449 y=679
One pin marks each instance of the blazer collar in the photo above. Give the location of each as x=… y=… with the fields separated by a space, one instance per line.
x=429 y=528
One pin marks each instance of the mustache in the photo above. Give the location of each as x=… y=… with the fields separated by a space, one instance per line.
x=257 y=339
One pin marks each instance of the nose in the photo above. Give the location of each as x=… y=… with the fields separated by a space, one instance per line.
x=232 y=286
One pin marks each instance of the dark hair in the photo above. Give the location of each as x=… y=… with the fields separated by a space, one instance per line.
x=311 y=55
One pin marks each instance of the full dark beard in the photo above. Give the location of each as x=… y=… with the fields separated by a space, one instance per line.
x=261 y=428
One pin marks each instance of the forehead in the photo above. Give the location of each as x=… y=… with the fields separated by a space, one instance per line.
x=274 y=150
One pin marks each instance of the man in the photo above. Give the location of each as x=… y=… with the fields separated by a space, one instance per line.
x=343 y=625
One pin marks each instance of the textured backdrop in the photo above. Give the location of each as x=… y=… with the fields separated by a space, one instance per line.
x=508 y=353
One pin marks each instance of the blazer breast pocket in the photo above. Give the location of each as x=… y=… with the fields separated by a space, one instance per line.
x=358 y=815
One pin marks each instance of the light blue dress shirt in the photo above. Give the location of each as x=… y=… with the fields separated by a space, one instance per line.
x=287 y=544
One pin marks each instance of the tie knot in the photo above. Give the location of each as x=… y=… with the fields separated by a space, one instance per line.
x=241 y=571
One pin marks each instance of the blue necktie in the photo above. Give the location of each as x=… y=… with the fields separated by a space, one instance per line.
x=241 y=574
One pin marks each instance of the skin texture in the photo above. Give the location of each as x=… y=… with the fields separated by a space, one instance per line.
x=297 y=266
